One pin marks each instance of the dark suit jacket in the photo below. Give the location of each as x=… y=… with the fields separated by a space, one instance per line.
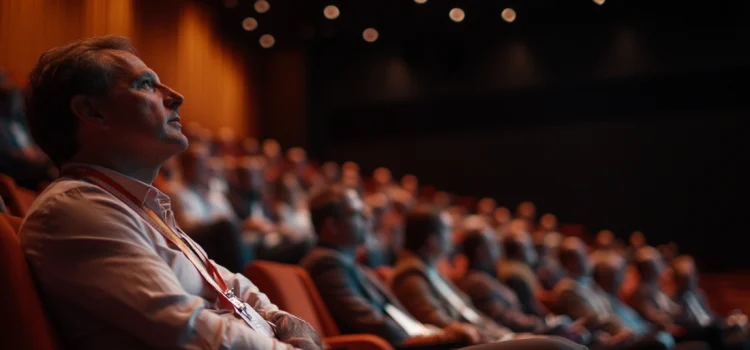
x=628 y=315
x=355 y=298
x=654 y=305
x=414 y=288
x=581 y=300
x=498 y=302
x=523 y=281
x=688 y=316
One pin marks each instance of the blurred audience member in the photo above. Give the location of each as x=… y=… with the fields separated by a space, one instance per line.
x=651 y=302
x=696 y=315
x=290 y=209
x=578 y=297
x=517 y=271
x=609 y=274
x=502 y=219
x=247 y=194
x=417 y=284
x=548 y=269
x=376 y=250
x=497 y=300
x=526 y=211
x=486 y=206
x=214 y=226
x=636 y=241
x=410 y=183
x=20 y=158
x=331 y=173
x=250 y=146
x=358 y=301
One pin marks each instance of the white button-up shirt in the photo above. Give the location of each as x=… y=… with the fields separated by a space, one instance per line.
x=111 y=281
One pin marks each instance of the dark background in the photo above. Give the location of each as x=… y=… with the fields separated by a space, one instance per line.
x=623 y=116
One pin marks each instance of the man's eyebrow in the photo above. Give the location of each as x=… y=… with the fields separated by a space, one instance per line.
x=146 y=74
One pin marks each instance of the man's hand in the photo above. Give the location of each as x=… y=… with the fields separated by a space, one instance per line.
x=263 y=226
x=462 y=332
x=293 y=330
x=621 y=337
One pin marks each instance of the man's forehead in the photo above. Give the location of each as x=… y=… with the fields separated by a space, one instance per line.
x=129 y=64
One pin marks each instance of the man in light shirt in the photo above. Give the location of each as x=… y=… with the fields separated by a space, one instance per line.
x=111 y=277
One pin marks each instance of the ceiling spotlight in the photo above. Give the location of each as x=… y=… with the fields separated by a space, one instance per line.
x=420 y=1
x=262 y=6
x=331 y=12
x=457 y=15
x=230 y=3
x=509 y=15
x=249 y=24
x=599 y=2
x=267 y=40
x=370 y=35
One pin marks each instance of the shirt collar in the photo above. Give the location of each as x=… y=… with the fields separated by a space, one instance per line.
x=140 y=190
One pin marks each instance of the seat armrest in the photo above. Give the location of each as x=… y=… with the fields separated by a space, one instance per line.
x=357 y=342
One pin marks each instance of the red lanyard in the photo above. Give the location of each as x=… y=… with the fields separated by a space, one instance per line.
x=205 y=267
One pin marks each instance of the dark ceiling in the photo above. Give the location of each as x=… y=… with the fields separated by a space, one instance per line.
x=300 y=23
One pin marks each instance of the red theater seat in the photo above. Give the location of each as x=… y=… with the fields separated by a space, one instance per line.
x=24 y=323
x=292 y=290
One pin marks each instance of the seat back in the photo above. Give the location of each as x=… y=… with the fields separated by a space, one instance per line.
x=24 y=323
x=292 y=290
x=17 y=199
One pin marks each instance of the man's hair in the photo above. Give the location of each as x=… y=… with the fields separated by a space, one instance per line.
x=606 y=264
x=513 y=244
x=646 y=258
x=473 y=239
x=327 y=203
x=62 y=73
x=421 y=223
x=569 y=249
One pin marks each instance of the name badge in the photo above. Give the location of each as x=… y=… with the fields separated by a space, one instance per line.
x=249 y=315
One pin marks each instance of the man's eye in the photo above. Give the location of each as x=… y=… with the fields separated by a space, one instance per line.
x=147 y=84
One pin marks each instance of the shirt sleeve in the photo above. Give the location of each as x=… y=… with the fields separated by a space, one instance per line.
x=91 y=252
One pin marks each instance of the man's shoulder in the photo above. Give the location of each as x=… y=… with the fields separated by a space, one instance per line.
x=477 y=279
x=63 y=194
x=567 y=286
x=322 y=258
x=69 y=205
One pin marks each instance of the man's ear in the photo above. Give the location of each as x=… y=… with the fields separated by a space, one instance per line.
x=85 y=109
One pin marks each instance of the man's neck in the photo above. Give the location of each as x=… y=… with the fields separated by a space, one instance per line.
x=484 y=268
x=140 y=172
x=344 y=250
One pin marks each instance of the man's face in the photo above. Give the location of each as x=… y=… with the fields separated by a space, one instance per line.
x=140 y=112
x=445 y=233
x=353 y=226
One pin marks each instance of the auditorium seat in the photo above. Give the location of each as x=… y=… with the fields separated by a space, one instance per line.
x=17 y=199
x=292 y=290
x=24 y=323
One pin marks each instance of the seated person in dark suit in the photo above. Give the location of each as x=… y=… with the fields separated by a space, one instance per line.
x=548 y=269
x=516 y=271
x=578 y=297
x=651 y=302
x=609 y=274
x=420 y=288
x=357 y=300
x=696 y=314
x=497 y=300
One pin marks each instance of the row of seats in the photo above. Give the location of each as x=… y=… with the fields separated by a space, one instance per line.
x=26 y=326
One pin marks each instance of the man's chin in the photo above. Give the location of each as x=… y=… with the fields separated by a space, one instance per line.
x=176 y=143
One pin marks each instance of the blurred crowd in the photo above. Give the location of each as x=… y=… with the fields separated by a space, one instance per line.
x=500 y=271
